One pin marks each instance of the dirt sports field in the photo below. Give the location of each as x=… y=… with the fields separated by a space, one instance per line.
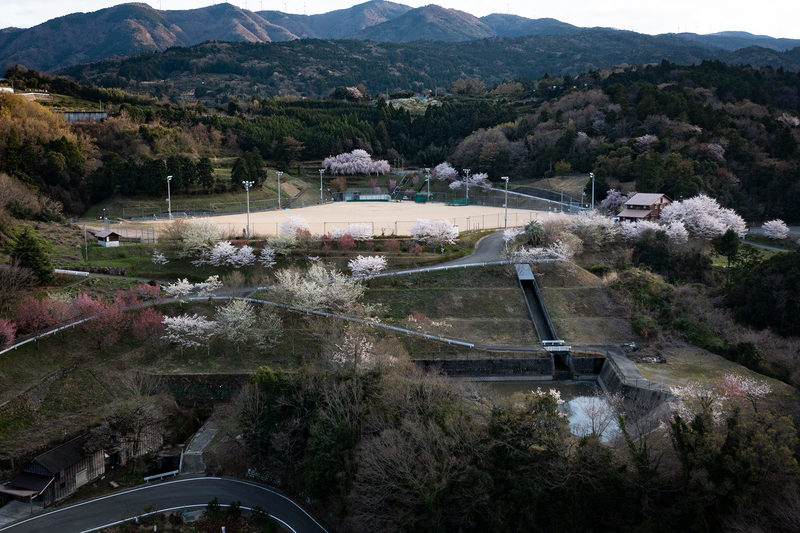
x=386 y=218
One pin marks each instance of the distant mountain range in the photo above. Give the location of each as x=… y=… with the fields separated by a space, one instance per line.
x=128 y=29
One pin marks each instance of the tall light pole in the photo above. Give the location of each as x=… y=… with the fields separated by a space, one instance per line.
x=428 y=181
x=321 y=172
x=466 y=183
x=169 y=198
x=247 y=185
x=279 y=188
x=591 y=175
x=505 y=216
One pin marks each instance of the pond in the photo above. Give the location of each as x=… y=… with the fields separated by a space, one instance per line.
x=585 y=405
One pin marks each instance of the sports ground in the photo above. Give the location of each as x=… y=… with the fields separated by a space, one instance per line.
x=386 y=218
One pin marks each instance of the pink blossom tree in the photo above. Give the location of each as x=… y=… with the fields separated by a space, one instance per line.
x=8 y=332
x=738 y=386
x=147 y=324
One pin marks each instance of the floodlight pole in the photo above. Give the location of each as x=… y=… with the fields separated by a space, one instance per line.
x=169 y=198
x=279 y=188
x=591 y=175
x=505 y=216
x=247 y=185
x=321 y=172
x=466 y=183
x=428 y=181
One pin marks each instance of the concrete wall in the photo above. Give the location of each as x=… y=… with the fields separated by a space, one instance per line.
x=539 y=366
x=192 y=389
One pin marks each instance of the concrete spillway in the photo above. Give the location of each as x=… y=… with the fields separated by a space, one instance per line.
x=533 y=298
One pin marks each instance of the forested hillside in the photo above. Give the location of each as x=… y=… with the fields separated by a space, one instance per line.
x=313 y=68
x=731 y=132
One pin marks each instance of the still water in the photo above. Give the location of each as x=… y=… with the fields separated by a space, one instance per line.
x=585 y=405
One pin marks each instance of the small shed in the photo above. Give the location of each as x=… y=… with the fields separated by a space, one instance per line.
x=107 y=238
x=57 y=473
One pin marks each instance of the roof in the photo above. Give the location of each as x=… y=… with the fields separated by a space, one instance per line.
x=64 y=456
x=634 y=213
x=524 y=271
x=105 y=233
x=645 y=198
x=26 y=484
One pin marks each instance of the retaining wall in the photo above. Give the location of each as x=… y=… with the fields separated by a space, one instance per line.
x=539 y=366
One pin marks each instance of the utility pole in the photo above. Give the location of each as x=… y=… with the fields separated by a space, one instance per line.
x=247 y=185
x=428 y=181
x=279 y=188
x=169 y=197
x=505 y=216
x=591 y=175
x=466 y=183
x=321 y=172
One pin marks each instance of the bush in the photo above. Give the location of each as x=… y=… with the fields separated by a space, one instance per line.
x=645 y=326
x=599 y=270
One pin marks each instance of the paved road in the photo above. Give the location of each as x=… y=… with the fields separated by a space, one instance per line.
x=489 y=248
x=177 y=494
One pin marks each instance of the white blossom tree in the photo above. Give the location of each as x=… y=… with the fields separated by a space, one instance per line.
x=207 y=287
x=593 y=228
x=292 y=225
x=226 y=254
x=359 y=232
x=266 y=258
x=695 y=398
x=479 y=179
x=188 y=331
x=355 y=351
x=237 y=322
x=159 y=258
x=179 y=289
x=444 y=171
x=355 y=162
x=776 y=229
x=320 y=288
x=436 y=233
x=738 y=386
x=198 y=237
x=283 y=244
x=614 y=201
x=703 y=217
x=368 y=266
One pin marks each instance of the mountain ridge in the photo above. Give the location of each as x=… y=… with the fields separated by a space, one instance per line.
x=133 y=28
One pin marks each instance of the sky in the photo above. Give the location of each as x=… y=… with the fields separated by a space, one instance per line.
x=777 y=18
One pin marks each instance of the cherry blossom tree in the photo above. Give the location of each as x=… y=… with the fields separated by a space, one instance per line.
x=147 y=324
x=179 y=289
x=738 y=386
x=436 y=233
x=236 y=322
x=703 y=217
x=676 y=232
x=355 y=352
x=226 y=254
x=8 y=331
x=479 y=179
x=366 y=267
x=359 y=232
x=614 y=201
x=292 y=225
x=321 y=288
x=355 y=162
x=266 y=258
x=695 y=398
x=198 y=237
x=159 y=258
x=776 y=229
x=630 y=231
x=444 y=171
x=188 y=331
x=593 y=228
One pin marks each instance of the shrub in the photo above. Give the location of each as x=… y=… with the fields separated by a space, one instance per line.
x=645 y=326
x=346 y=242
x=392 y=245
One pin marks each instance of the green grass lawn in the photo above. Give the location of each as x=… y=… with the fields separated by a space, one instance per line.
x=789 y=243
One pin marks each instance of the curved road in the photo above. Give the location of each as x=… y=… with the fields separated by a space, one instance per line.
x=177 y=494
